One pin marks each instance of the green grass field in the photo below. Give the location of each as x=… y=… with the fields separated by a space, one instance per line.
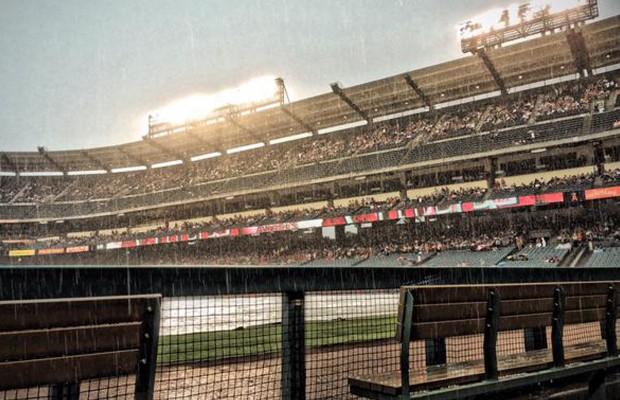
x=265 y=339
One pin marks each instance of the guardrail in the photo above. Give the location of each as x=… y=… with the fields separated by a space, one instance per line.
x=258 y=332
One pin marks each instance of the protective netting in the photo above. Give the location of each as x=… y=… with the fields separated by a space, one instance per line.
x=230 y=346
x=348 y=333
x=220 y=347
x=113 y=387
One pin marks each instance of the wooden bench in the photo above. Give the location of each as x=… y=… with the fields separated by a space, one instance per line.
x=434 y=313
x=60 y=342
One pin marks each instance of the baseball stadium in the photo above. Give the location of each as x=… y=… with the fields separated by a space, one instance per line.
x=445 y=232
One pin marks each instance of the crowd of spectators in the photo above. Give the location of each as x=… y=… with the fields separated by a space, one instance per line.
x=572 y=182
x=556 y=101
x=502 y=114
x=483 y=233
x=442 y=196
x=575 y=97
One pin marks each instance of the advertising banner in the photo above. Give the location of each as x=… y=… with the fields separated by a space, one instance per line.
x=43 y=252
x=250 y=230
x=77 y=249
x=285 y=226
x=223 y=233
x=148 y=241
x=550 y=198
x=447 y=209
x=310 y=223
x=370 y=217
x=334 y=221
x=21 y=253
x=603 y=193
x=128 y=244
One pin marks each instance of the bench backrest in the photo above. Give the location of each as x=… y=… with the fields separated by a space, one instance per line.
x=456 y=310
x=437 y=312
x=57 y=341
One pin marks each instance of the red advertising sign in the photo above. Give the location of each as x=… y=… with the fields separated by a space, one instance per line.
x=127 y=244
x=250 y=230
x=550 y=198
x=467 y=206
x=371 y=217
x=334 y=221
x=603 y=193
x=148 y=241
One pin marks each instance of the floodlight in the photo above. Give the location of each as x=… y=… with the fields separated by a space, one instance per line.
x=256 y=92
x=517 y=21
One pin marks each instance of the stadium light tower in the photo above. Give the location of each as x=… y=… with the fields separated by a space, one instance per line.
x=252 y=96
x=496 y=27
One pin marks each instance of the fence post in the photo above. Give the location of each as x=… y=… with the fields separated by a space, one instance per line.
x=293 y=347
x=64 y=391
x=557 y=327
x=610 y=322
x=435 y=351
x=147 y=365
x=490 y=335
x=535 y=338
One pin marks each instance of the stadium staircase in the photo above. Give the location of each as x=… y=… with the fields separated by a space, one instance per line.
x=587 y=123
x=504 y=260
x=454 y=258
x=574 y=257
x=65 y=190
x=483 y=117
x=584 y=259
x=537 y=104
x=606 y=257
x=611 y=104
x=19 y=193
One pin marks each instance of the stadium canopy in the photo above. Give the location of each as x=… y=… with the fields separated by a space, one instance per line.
x=505 y=68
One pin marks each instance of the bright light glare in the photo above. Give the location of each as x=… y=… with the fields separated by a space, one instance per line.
x=199 y=106
x=492 y=19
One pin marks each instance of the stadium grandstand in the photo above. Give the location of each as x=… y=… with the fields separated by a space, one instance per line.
x=446 y=139
x=285 y=236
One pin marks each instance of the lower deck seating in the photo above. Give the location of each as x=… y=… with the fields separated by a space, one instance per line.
x=455 y=258
x=538 y=257
x=609 y=257
x=395 y=260
x=604 y=121
x=341 y=262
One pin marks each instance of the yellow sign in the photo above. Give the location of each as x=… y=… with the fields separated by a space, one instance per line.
x=21 y=253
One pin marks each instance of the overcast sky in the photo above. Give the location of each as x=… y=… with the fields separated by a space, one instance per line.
x=85 y=73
